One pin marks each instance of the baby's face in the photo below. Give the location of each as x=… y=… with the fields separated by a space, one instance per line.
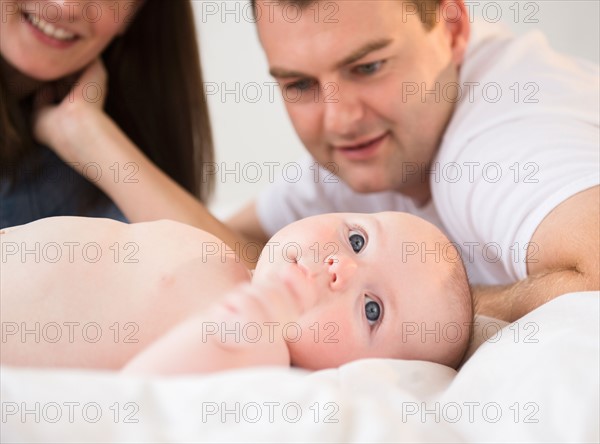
x=382 y=281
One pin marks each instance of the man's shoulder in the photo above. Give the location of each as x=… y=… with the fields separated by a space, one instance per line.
x=498 y=59
x=507 y=80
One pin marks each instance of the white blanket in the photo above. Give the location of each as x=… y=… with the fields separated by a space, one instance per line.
x=537 y=380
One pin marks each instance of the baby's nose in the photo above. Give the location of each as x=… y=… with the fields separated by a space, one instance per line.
x=340 y=269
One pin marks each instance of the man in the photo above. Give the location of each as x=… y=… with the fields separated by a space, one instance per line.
x=386 y=97
x=492 y=138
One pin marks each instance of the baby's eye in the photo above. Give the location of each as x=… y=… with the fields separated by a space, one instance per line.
x=372 y=310
x=357 y=241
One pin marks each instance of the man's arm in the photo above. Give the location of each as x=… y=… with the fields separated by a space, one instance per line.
x=563 y=257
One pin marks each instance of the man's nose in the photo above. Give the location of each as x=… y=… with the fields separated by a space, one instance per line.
x=340 y=269
x=343 y=111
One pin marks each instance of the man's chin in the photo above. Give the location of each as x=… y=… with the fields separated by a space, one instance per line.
x=367 y=187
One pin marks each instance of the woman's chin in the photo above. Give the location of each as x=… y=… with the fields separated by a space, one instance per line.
x=38 y=71
x=44 y=74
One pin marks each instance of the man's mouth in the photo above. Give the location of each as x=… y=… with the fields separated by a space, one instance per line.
x=361 y=145
x=363 y=149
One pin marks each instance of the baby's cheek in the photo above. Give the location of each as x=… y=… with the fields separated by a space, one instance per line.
x=325 y=343
x=313 y=355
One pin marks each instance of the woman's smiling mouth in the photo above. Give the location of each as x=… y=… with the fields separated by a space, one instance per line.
x=49 y=33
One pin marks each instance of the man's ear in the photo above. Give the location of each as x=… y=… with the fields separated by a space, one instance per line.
x=455 y=17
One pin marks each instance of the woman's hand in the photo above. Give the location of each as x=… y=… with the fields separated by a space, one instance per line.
x=83 y=135
x=60 y=126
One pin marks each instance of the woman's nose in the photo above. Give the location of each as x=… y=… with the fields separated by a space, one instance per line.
x=341 y=269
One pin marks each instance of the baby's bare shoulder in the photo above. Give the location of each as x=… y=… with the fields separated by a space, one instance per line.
x=191 y=261
x=63 y=228
x=164 y=243
x=75 y=227
x=182 y=240
x=177 y=231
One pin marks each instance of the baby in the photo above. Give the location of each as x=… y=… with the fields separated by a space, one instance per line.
x=166 y=298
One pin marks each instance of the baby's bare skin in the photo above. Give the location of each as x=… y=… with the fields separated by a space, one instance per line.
x=95 y=293
x=148 y=278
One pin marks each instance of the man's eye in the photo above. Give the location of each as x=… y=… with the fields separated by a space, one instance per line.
x=357 y=242
x=372 y=310
x=369 y=68
x=301 y=85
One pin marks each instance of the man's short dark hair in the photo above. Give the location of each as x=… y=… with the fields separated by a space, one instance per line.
x=427 y=9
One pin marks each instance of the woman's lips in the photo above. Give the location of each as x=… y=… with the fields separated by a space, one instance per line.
x=362 y=151
x=48 y=39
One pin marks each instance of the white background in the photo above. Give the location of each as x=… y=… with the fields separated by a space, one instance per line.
x=251 y=125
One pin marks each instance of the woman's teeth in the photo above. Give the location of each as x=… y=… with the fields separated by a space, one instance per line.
x=49 y=29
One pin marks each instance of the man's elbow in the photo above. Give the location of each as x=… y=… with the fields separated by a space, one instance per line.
x=590 y=272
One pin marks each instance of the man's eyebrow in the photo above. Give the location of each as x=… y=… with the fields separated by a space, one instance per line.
x=282 y=73
x=363 y=51
x=353 y=57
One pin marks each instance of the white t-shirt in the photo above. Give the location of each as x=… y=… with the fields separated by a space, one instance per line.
x=524 y=137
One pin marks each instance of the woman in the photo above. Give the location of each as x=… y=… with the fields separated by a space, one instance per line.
x=79 y=80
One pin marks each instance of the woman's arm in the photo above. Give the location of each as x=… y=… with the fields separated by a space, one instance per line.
x=85 y=137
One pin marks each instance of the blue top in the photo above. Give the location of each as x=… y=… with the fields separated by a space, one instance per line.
x=56 y=190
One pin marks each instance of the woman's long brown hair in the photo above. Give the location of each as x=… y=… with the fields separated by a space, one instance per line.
x=155 y=95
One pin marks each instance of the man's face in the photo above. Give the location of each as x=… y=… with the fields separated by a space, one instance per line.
x=353 y=88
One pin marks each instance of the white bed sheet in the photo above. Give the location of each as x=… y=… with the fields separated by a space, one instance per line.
x=538 y=380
